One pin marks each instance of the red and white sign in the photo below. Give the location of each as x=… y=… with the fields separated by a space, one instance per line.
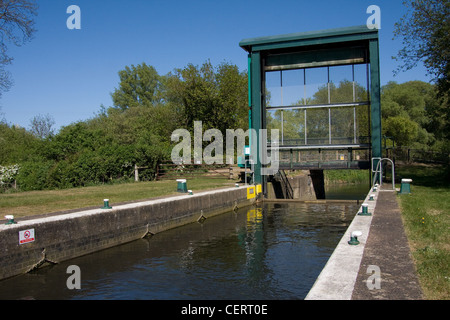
x=26 y=236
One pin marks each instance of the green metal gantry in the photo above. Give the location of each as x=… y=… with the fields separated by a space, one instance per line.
x=334 y=47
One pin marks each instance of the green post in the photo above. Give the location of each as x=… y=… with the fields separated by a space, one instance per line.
x=106 y=204
x=182 y=186
x=249 y=80
x=10 y=219
x=291 y=158
x=365 y=210
x=375 y=103
x=257 y=113
x=249 y=97
x=405 y=187
x=354 y=238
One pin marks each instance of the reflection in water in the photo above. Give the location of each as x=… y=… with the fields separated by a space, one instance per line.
x=275 y=251
x=356 y=191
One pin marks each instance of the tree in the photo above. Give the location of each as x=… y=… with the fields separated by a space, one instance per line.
x=16 y=27
x=215 y=96
x=135 y=131
x=408 y=113
x=233 y=94
x=16 y=144
x=425 y=30
x=42 y=126
x=139 y=86
x=193 y=90
x=402 y=129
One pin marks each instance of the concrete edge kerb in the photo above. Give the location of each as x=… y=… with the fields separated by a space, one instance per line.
x=338 y=277
x=77 y=214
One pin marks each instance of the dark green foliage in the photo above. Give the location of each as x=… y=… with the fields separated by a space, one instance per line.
x=216 y=96
x=33 y=174
x=425 y=32
x=16 y=144
x=136 y=130
x=411 y=115
x=138 y=87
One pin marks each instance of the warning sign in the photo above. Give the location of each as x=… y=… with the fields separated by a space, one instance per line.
x=26 y=236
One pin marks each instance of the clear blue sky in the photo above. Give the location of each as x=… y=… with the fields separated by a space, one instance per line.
x=69 y=74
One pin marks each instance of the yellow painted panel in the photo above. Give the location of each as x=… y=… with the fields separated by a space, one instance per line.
x=251 y=192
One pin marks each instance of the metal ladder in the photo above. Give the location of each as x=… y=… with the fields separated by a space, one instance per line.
x=285 y=185
x=378 y=172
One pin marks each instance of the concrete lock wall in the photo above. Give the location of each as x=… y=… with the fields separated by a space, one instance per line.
x=306 y=185
x=66 y=236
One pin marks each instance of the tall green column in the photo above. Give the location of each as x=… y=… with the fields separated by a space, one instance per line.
x=375 y=103
x=249 y=96
x=256 y=111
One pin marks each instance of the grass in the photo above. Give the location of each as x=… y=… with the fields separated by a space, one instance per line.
x=346 y=176
x=24 y=204
x=426 y=217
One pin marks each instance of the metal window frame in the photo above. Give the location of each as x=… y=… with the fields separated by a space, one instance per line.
x=312 y=49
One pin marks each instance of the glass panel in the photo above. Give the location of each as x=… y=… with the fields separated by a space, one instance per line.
x=343 y=125
x=294 y=127
x=342 y=128
x=317 y=126
x=341 y=84
x=316 y=86
x=361 y=82
x=273 y=89
x=362 y=124
x=273 y=120
x=292 y=87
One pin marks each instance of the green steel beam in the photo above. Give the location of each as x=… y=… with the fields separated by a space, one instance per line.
x=257 y=111
x=249 y=97
x=322 y=57
x=249 y=80
x=309 y=38
x=375 y=102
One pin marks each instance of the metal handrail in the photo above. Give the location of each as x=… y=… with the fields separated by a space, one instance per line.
x=379 y=169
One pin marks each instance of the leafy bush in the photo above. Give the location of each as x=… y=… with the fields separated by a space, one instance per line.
x=33 y=174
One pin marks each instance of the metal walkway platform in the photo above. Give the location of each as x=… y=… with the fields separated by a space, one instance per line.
x=361 y=165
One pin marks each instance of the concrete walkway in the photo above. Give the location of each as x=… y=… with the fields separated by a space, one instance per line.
x=387 y=248
x=380 y=267
x=338 y=278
